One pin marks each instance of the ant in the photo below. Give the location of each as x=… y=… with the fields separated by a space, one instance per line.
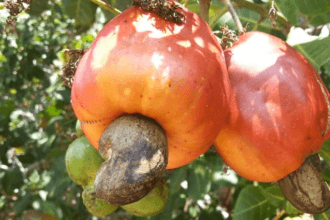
x=163 y=8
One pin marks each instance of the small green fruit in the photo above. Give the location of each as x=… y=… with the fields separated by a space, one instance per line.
x=79 y=130
x=94 y=205
x=82 y=162
x=152 y=204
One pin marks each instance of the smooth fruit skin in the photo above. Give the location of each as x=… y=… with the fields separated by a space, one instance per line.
x=94 y=205
x=152 y=204
x=174 y=74
x=79 y=131
x=82 y=161
x=279 y=112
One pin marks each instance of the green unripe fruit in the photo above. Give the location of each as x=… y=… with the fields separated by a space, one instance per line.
x=82 y=162
x=79 y=130
x=94 y=205
x=152 y=204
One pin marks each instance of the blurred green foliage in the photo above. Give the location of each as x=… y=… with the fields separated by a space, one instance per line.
x=37 y=123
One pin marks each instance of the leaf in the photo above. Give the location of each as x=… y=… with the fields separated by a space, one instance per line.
x=290 y=209
x=274 y=195
x=176 y=178
x=215 y=215
x=313 y=7
x=323 y=216
x=325 y=151
x=83 y=11
x=198 y=184
x=21 y=204
x=34 y=177
x=317 y=51
x=252 y=204
x=37 y=7
x=289 y=10
x=13 y=179
x=319 y=19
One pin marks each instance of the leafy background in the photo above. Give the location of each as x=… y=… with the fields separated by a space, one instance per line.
x=37 y=122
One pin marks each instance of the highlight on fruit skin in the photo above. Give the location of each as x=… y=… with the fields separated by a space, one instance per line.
x=172 y=73
x=82 y=161
x=152 y=204
x=279 y=111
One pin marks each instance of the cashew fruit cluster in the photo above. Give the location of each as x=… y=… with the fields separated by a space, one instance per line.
x=152 y=94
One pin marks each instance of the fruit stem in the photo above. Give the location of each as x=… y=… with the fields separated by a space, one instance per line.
x=235 y=17
x=135 y=150
x=106 y=6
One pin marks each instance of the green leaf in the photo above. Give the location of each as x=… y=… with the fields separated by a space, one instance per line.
x=176 y=178
x=274 y=195
x=34 y=177
x=7 y=107
x=323 y=216
x=325 y=151
x=252 y=204
x=290 y=209
x=193 y=211
x=83 y=11
x=317 y=51
x=13 y=179
x=289 y=10
x=213 y=215
x=38 y=6
x=21 y=204
x=198 y=183
x=312 y=7
x=319 y=19
x=49 y=207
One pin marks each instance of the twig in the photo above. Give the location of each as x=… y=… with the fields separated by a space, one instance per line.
x=204 y=8
x=273 y=15
x=263 y=11
x=106 y=6
x=234 y=16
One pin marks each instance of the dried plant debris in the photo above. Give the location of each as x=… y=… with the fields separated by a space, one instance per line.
x=69 y=69
x=15 y=7
x=227 y=37
x=165 y=9
x=273 y=15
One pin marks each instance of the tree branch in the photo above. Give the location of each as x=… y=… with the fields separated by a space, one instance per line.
x=106 y=6
x=263 y=11
x=234 y=16
x=204 y=7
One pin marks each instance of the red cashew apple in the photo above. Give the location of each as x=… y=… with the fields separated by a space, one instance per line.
x=279 y=112
x=173 y=73
x=279 y=116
